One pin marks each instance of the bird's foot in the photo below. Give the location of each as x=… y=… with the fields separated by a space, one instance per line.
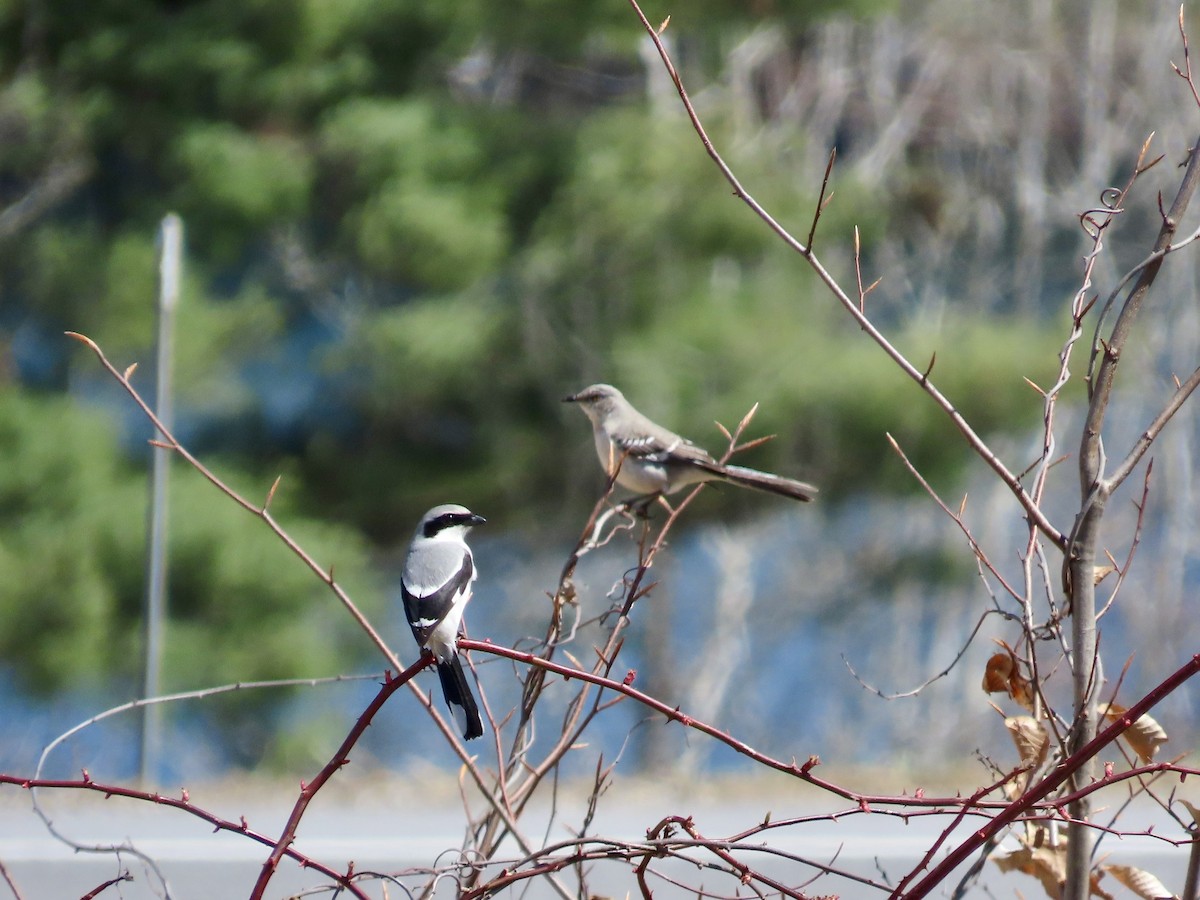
x=640 y=506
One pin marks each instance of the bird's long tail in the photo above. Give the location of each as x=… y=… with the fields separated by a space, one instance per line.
x=765 y=481
x=461 y=701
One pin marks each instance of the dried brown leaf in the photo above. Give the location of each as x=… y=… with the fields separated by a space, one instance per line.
x=1139 y=881
x=1021 y=690
x=1047 y=864
x=996 y=673
x=1194 y=810
x=1099 y=573
x=1144 y=736
x=1030 y=738
x=1003 y=675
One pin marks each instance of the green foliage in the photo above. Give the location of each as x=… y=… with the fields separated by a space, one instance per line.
x=439 y=236
x=230 y=330
x=72 y=540
x=37 y=123
x=618 y=247
x=57 y=268
x=238 y=183
x=379 y=139
x=235 y=584
x=62 y=499
x=412 y=351
x=478 y=229
x=428 y=215
x=794 y=13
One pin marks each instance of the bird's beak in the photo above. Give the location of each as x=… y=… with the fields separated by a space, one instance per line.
x=476 y=519
x=571 y=398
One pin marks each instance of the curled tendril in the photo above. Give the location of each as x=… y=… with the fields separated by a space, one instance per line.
x=1111 y=198
x=1095 y=220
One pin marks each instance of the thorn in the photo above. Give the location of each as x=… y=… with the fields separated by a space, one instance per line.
x=750 y=445
x=874 y=284
x=663 y=26
x=1139 y=168
x=129 y=371
x=1032 y=384
x=929 y=368
x=271 y=492
x=746 y=418
x=161 y=445
x=962 y=507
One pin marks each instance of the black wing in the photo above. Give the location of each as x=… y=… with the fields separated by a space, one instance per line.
x=425 y=612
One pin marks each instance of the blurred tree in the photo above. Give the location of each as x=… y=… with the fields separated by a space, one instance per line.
x=411 y=228
x=72 y=541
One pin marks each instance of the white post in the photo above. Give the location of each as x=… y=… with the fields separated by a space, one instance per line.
x=170 y=266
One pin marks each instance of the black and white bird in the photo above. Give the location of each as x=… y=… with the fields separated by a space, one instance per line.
x=654 y=461
x=436 y=586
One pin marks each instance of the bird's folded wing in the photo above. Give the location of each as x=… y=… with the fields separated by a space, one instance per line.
x=427 y=605
x=661 y=448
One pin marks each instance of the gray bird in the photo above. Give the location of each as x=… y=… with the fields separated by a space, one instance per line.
x=436 y=586
x=655 y=461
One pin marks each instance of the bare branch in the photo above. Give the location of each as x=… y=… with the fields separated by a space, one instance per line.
x=977 y=444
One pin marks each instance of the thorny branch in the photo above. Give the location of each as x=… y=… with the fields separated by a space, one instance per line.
x=262 y=512
x=1079 y=545
x=509 y=789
